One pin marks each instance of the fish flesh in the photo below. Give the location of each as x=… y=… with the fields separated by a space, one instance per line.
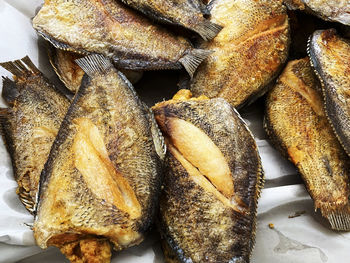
x=185 y=13
x=297 y=124
x=103 y=175
x=330 y=56
x=114 y=30
x=212 y=181
x=30 y=123
x=247 y=53
x=331 y=10
x=71 y=74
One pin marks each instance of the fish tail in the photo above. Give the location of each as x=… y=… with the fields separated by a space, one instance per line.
x=207 y=30
x=94 y=63
x=21 y=68
x=339 y=220
x=193 y=58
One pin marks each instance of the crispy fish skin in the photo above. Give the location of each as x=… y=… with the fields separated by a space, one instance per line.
x=297 y=125
x=110 y=28
x=30 y=123
x=330 y=56
x=248 y=52
x=199 y=219
x=186 y=13
x=331 y=10
x=71 y=74
x=102 y=177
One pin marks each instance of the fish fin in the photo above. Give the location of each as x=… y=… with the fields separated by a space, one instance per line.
x=339 y=220
x=9 y=90
x=158 y=139
x=61 y=45
x=26 y=199
x=193 y=58
x=21 y=68
x=94 y=63
x=208 y=30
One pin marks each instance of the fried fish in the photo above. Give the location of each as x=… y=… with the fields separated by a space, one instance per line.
x=212 y=181
x=112 y=29
x=330 y=56
x=247 y=53
x=71 y=74
x=30 y=123
x=297 y=125
x=335 y=10
x=102 y=178
x=186 y=13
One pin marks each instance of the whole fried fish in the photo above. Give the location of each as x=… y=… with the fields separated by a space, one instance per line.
x=102 y=177
x=186 y=13
x=71 y=74
x=330 y=56
x=30 y=123
x=248 y=52
x=110 y=28
x=332 y=10
x=212 y=182
x=297 y=125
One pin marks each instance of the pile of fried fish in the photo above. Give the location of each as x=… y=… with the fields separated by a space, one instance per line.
x=99 y=167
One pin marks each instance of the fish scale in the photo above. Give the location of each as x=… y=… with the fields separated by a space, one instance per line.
x=297 y=124
x=186 y=13
x=114 y=30
x=30 y=123
x=102 y=177
x=208 y=204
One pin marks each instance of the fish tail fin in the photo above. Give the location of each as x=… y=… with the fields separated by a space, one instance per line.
x=339 y=220
x=192 y=59
x=94 y=63
x=21 y=68
x=208 y=30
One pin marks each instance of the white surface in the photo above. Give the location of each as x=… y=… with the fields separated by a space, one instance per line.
x=301 y=239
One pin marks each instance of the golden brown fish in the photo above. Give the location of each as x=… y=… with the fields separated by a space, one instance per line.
x=212 y=182
x=110 y=28
x=332 y=10
x=102 y=178
x=248 y=51
x=297 y=124
x=186 y=13
x=30 y=123
x=71 y=74
x=330 y=56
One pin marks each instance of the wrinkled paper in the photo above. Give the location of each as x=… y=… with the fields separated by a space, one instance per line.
x=300 y=239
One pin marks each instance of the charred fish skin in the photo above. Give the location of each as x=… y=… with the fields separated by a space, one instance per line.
x=30 y=123
x=297 y=124
x=186 y=13
x=248 y=53
x=335 y=10
x=102 y=177
x=330 y=56
x=68 y=71
x=208 y=204
x=112 y=29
